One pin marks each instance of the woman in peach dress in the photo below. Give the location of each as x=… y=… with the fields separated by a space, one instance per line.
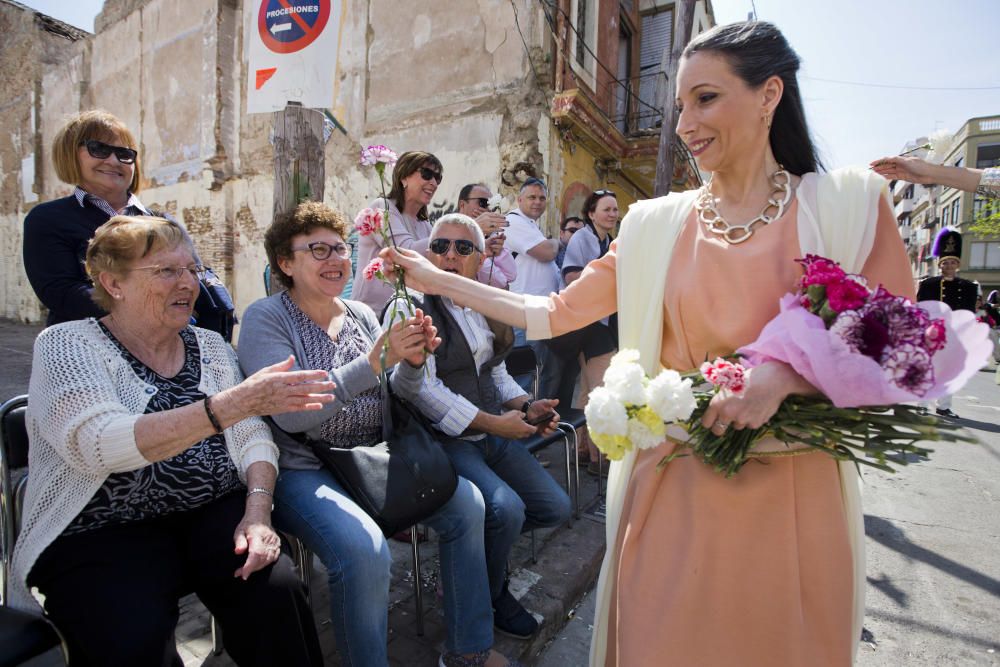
x=765 y=568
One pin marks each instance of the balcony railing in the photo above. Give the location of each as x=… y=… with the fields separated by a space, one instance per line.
x=634 y=107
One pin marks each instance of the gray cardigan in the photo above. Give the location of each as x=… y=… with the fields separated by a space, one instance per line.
x=268 y=336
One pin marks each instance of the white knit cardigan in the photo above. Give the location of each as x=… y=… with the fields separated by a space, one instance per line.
x=84 y=402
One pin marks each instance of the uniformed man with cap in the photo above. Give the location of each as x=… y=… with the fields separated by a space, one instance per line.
x=958 y=293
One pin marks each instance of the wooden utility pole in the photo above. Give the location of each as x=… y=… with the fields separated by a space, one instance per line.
x=299 y=159
x=668 y=135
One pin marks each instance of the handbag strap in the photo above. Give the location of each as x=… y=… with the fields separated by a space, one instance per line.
x=383 y=376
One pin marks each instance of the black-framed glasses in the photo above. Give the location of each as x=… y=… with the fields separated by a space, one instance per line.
x=321 y=250
x=482 y=201
x=427 y=174
x=605 y=193
x=463 y=247
x=100 y=151
x=172 y=273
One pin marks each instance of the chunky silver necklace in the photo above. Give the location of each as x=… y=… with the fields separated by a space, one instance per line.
x=733 y=234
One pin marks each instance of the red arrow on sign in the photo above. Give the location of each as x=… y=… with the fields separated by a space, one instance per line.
x=263 y=75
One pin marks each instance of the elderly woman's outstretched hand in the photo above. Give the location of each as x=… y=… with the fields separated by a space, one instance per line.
x=420 y=274
x=276 y=389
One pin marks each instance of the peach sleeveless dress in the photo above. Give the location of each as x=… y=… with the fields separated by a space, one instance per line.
x=750 y=571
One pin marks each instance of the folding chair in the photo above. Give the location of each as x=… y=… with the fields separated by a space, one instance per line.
x=522 y=361
x=23 y=635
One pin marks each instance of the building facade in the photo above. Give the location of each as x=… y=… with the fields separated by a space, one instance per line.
x=922 y=211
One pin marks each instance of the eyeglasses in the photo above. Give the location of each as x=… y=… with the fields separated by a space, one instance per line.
x=572 y=230
x=321 y=250
x=172 y=273
x=428 y=174
x=482 y=201
x=463 y=247
x=605 y=193
x=100 y=151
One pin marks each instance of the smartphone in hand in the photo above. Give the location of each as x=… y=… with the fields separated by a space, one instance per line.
x=544 y=419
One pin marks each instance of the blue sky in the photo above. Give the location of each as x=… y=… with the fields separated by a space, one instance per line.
x=925 y=46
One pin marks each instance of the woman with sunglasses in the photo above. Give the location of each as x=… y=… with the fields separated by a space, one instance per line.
x=415 y=179
x=95 y=152
x=310 y=321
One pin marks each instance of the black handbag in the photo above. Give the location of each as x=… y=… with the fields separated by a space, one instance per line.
x=400 y=481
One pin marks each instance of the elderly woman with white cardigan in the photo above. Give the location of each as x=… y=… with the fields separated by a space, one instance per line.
x=151 y=472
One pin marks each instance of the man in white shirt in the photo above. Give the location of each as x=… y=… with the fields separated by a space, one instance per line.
x=482 y=413
x=537 y=272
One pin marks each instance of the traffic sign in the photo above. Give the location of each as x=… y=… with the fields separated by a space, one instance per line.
x=292 y=52
x=287 y=26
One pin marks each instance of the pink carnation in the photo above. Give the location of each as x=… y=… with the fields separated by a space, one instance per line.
x=820 y=271
x=725 y=375
x=372 y=155
x=374 y=269
x=935 y=336
x=846 y=294
x=369 y=220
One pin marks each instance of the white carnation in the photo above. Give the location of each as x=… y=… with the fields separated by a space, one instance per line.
x=605 y=413
x=626 y=356
x=671 y=397
x=641 y=436
x=627 y=381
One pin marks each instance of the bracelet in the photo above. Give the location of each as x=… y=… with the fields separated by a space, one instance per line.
x=211 y=416
x=260 y=489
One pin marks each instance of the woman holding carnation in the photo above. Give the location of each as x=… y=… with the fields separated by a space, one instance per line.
x=764 y=568
x=323 y=331
x=415 y=179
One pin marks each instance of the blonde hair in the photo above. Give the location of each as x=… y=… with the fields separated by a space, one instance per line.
x=123 y=239
x=93 y=124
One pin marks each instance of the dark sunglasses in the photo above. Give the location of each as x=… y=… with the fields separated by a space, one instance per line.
x=100 y=151
x=605 y=193
x=428 y=174
x=463 y=247
x=482 y=201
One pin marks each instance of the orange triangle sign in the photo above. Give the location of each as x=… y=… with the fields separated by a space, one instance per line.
x=264 y=74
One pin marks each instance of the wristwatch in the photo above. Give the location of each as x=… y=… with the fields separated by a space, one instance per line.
x=527 y=404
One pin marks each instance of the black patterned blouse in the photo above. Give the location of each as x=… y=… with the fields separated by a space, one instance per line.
x=195 y=477
x=360 y=422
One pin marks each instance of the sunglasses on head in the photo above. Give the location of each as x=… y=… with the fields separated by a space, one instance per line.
x=427 y=174
x=605 y=193
x=100 y=151
x=463 y=247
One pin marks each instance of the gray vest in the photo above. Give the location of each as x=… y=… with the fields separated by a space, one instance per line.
x=456 y=365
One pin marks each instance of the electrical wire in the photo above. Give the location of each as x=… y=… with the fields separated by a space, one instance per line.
x=897 y=87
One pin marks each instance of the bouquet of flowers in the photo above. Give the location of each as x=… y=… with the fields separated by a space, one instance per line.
x=867 y=352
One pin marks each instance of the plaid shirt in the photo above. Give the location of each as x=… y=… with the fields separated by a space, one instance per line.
x=132 y=207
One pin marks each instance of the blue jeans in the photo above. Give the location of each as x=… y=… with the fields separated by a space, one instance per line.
x=520 y=495
x=550 y=367
x=311 y=505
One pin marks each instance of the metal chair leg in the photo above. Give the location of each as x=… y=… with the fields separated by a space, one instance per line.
x=216 y=637
x=418 y=593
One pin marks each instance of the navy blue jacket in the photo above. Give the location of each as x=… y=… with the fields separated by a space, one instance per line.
x=56 y=234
